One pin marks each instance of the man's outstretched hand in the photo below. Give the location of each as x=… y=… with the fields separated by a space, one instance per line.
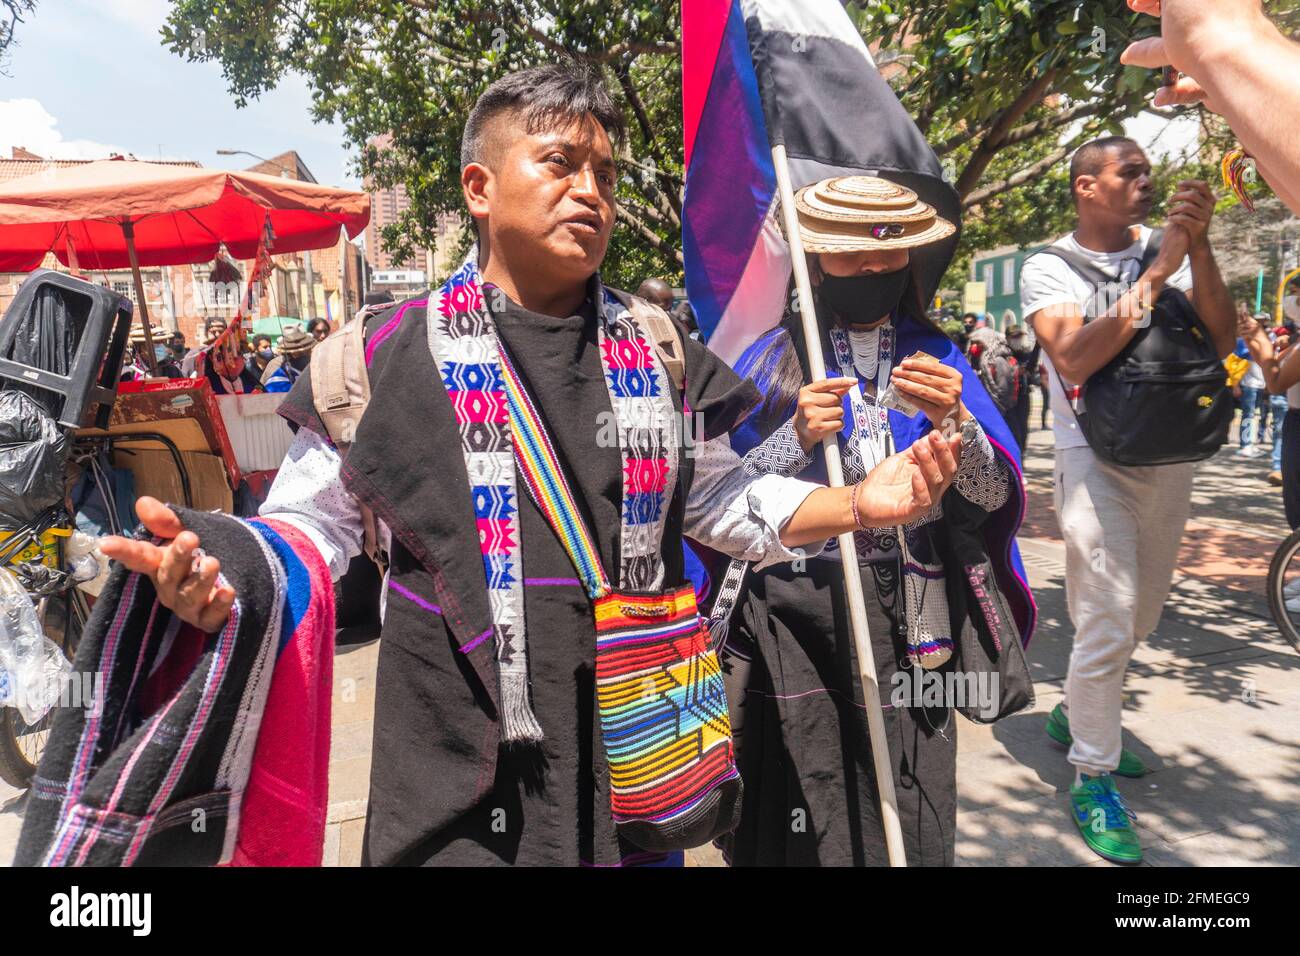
x=190 y=591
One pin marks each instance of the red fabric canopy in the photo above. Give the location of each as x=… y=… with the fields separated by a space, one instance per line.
x=179 y=214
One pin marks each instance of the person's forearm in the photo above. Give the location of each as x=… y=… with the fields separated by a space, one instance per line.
x=1289 y=194
x=781 y=453
x=1212 y=301
x=308 y=493
x=1286 y=372
x=1280 y=373
x=1248 y=69
x=1085 y=351
x=1261 y=351
x=1280 y=370
x=826 y=513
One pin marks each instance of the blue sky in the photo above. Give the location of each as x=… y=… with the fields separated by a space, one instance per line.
x=89 y=77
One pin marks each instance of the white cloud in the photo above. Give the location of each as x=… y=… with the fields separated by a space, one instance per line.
x=26 y=123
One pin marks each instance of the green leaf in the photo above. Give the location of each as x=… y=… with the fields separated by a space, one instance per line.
x=1133 y=78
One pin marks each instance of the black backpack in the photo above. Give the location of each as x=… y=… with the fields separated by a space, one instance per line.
x=1164 y=398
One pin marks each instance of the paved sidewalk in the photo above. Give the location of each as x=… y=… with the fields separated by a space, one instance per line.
x=354 y=711
x=1213 y=702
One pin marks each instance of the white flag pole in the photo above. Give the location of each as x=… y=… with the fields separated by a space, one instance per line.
x=848 y=549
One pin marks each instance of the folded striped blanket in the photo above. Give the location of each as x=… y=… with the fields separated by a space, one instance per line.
x=282 y=822
x=199 y=749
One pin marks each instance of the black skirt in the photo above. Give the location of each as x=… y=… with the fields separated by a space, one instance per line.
x=804 y=751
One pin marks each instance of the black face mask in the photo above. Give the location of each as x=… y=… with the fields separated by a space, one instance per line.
x=863 y=299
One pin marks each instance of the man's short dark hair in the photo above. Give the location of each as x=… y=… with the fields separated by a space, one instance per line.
x=655 y=289
x=547 y=96
x=1090 y=158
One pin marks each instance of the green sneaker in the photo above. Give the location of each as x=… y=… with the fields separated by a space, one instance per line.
x=1105 y=822
x=1058 y=728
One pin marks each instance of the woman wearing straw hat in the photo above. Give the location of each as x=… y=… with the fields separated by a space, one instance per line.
x=810 y=793
x=293 y=356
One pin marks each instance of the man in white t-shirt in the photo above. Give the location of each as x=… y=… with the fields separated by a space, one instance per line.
x=1122 y=526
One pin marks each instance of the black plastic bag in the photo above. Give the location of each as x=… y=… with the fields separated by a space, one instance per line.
x=33 y=452
x=46 y=338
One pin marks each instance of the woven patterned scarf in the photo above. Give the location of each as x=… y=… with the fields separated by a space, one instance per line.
x=463 y=340
x=659 y=688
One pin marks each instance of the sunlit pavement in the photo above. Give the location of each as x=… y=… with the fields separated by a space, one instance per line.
x=1212 y=703
x=1212 y=700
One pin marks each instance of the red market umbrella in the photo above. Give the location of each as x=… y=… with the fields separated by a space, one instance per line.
x=115 y=214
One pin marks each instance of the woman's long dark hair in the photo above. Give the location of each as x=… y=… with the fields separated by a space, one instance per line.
x=783 y=362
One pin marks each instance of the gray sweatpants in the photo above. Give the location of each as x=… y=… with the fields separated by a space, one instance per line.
x=1122 y=528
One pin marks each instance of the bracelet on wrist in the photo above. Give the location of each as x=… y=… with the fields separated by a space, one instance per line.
x=853 y=506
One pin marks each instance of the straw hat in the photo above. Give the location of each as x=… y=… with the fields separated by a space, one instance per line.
x=294 y=341
x=160 y=336
x=853 y=213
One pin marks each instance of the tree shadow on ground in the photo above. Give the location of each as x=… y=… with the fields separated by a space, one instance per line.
x=1211 y=810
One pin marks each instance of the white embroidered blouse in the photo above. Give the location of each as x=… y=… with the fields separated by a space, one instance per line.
x=982 y=477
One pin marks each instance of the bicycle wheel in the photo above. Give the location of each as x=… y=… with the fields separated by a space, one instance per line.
x=1284 y=589
x=63 y=618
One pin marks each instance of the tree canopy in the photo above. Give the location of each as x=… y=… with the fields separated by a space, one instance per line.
x=1006 y=90
x=413 y=68
x=11 y=14
x=1003 y=89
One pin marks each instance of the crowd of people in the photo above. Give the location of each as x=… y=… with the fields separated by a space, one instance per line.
x=528 y=716
x=264 y=364
x=1263 y=411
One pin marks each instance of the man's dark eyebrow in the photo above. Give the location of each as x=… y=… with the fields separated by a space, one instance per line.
x=1127 y=164
x=555 y=141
